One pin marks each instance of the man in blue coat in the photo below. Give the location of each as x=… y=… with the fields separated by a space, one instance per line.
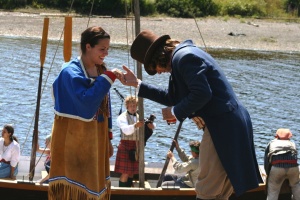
x=199 y=90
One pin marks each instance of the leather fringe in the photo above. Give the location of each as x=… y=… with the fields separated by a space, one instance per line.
x=62 y=190
x=108 y=184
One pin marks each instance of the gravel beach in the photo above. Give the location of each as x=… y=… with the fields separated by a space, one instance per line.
x=232 y=33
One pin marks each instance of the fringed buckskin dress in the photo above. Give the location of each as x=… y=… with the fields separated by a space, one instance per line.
x=80 y=134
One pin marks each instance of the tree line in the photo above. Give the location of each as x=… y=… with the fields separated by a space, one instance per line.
x=172 y=8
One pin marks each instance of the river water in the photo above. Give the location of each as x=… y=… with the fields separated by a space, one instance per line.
x=266 y=82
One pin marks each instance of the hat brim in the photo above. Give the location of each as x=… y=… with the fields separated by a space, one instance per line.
x=150 y=52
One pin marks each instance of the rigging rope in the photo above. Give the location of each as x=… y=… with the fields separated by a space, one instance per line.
x=55 y=53
x=91 y=13
x=127 y=41
x=52 y=63
x=44 y=86
x=200 y=34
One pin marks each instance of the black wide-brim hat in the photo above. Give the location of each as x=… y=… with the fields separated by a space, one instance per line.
x=143 y=47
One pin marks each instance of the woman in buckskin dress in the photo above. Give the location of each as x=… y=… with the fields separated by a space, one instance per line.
x=81 y=133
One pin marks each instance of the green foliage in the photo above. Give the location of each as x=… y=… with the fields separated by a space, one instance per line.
x=147 y=7
x=274 y=8
x=116 y=8
x=292 y=6
x=59 y=4
x=270 y=8
x=242 y=8
x=173 y=8
x=186 y=8
x=205 y=8
x=12 y=4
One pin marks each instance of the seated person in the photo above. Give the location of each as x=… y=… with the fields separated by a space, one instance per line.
x=46 y=151
x=9 y=153
x=189 y=166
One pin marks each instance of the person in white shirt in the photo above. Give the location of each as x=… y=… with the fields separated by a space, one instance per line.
x=9 y=153
x=126 y=160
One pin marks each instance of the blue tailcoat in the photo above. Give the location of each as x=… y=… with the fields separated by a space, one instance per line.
x=198 y=87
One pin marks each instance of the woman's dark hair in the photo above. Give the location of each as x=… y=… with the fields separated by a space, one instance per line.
x=10 y=129
x=91 y=36
x=162 y=55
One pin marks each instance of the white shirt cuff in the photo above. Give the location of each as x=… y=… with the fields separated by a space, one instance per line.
x=172 y=111
x=138 y=86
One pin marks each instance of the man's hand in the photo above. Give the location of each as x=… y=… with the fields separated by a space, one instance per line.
x=176 y=144
x=139 y=124
x=150 y=125
x=170 y=154
x=167 y=113
x=130 y=78
x=119 y=74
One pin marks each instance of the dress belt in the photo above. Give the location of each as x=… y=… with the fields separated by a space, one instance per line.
x=130 y=140
x=284 y=161
x=4 y=161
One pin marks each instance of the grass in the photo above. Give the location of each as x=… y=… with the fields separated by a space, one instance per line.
x=285 y=18
x=269 y=40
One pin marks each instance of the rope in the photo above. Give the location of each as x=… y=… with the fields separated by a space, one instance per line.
x=91 y=13
x=46 y=80
x=52 y=63
x=200 y=34
x=127 y=41
x=133 y=36
x=44 y=85
x=40 y=157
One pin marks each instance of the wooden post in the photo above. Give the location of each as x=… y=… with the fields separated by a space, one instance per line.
x=140 y=104
x=37 y=111
x=68 y=39
x=159 y=182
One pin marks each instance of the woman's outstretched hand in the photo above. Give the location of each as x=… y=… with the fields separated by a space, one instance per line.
x=119 y=74
x=130 y=78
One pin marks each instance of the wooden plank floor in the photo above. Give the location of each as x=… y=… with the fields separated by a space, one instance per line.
x=14 y=190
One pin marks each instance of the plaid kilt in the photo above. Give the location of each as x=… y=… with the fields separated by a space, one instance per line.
x=123 y=164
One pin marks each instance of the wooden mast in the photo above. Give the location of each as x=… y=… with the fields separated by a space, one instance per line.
x=37 y=110
x=68 y=39
x=140 y=104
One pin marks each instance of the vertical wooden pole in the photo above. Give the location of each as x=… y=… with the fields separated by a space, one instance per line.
x=141 y=103
x=68 y=39
x=37 y=111
x=159 y=182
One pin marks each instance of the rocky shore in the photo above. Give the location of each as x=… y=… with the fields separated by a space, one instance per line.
x=229 y=33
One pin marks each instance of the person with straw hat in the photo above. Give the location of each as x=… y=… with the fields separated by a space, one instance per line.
x=280 y=163
x=198 y=89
